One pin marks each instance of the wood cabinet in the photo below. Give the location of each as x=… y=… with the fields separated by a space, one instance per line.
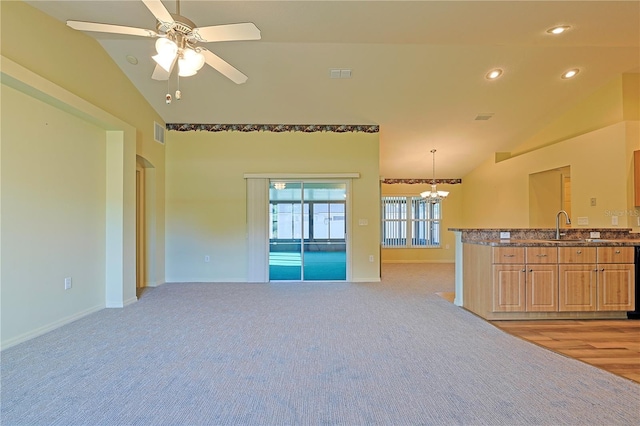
x=577 y=279
x=505 y=282
x=636 y=176
x=596 y=279
x=615 y=279
x=525 y=279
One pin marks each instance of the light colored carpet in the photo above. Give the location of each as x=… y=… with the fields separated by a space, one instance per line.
x=389 y=353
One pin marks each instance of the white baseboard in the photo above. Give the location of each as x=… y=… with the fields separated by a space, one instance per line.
x=366 y=280
x=47 y=328
x=127 y=302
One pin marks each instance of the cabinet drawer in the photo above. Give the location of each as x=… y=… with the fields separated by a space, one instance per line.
x=541 y=255
x=508 y=255
x=577 y=254
x=615 y=254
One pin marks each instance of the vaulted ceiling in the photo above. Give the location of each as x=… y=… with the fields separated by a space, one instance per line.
x=417 y=68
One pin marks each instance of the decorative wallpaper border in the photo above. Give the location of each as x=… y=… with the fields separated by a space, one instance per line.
x=306 y=128
x=422 y=181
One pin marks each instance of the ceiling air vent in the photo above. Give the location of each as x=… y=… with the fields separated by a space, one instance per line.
x=158 y=132
x=484 y=116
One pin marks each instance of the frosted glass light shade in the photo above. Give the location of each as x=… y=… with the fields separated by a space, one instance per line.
x=189 y=62
x=165 y=61
x=434 y=194
x=167 y=47
x=167 y=51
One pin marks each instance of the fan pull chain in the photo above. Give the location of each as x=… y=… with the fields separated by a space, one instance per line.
x=178 y=92
x=168 y=97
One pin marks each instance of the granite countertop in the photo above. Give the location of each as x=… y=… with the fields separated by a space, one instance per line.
x=562 y=243
x=545 y=237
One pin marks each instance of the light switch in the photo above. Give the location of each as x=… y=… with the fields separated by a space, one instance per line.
x=583 y=220
x=614 y=220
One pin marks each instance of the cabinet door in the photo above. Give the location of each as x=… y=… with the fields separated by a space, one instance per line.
x=577 y=287
x=616 y=287
x=508 y=288
x=542 y=288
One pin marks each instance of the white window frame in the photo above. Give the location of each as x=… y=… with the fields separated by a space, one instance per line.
x=398 y=220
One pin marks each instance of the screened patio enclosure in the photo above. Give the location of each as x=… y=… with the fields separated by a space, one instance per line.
x=307 y=231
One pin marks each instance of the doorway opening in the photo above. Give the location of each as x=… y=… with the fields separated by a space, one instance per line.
x=307 y=231
x=549 y=192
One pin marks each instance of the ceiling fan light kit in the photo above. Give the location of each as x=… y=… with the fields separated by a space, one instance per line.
x=177 y=42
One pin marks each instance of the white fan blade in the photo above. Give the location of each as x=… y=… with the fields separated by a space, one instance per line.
x=158 y=10
x=108 y=28
x=160 y=73
x=223 y=67
x=230 y=32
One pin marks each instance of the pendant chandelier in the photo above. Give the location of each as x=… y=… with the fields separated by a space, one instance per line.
x=434 y=195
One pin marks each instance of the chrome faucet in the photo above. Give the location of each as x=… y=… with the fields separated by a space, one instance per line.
x=558 y=222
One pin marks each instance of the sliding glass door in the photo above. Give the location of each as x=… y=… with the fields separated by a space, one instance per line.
x=307 y=236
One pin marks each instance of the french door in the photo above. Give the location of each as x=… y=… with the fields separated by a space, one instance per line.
x=307 y=231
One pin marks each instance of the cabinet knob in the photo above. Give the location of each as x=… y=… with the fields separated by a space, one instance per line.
x=579 y=252
x=617 y=251
x=530 y=270
x=524 y=270
x=602 y=270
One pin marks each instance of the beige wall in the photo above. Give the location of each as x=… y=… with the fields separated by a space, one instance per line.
x=451 y=218
x=53 y=215
x=69 y=142
x=206 y=195
x=596 y=139
x=599 y=109
x=496 y=194
x=47 y=49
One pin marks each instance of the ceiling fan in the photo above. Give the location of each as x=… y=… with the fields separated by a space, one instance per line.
x=178 y=39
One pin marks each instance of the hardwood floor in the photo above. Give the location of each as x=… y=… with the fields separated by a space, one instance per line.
x=613 y=345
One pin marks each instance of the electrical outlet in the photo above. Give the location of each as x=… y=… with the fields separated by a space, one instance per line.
x=371 y=258
x=593 y=202
x=505 y=235
x=67 y=283
x=207 y=259
x=594 y=234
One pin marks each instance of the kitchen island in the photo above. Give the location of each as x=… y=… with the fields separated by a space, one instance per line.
x=521 y=274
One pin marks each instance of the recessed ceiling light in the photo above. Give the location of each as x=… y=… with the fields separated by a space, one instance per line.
x=132 y=60
x=571 y=73
x=493 y=74
x=558 y=30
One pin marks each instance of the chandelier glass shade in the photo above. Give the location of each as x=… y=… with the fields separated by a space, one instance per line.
x=434 y=195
